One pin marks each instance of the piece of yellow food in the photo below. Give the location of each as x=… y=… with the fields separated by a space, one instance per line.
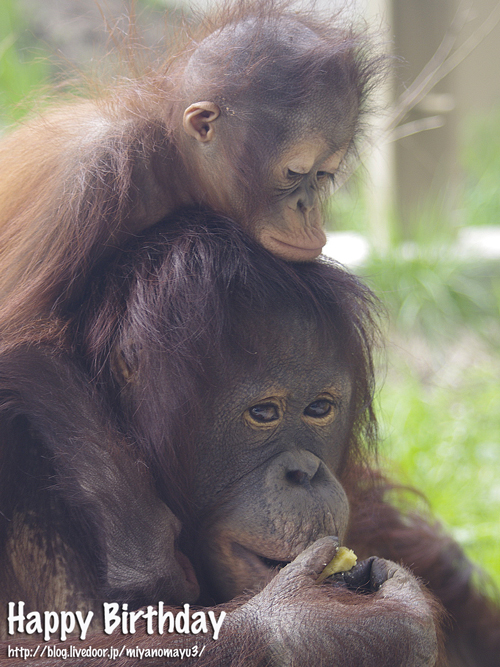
x=343 y=561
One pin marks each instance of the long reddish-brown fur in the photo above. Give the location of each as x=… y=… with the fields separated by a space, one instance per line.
x=190 y=297
x=420 y=542
x=78 y=180
x=341 y=307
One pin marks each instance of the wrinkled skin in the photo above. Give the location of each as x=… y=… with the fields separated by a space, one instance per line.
x=289 y=223
x=337 y=626
x=251 y=118
x=301 y=175
x=277 y=491
x=273 y=514
x=277 y=437
x=268 y=419
x=304 y=144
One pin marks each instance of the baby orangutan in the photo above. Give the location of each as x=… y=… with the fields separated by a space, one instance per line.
x=251 y=121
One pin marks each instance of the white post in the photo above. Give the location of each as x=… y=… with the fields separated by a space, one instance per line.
x=380 y=161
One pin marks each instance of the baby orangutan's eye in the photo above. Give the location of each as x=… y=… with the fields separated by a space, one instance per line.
x=264 y=413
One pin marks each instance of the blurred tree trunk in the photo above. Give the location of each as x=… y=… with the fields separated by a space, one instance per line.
x=426 y=162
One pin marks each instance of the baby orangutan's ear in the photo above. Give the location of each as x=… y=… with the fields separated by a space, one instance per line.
x=198 y=120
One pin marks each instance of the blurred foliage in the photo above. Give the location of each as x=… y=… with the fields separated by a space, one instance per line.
x=22 y=66
x=347 y=208
x=481 y=165
x=440 y=402
x=431 y=292
x=430 y=286
x=443 y=438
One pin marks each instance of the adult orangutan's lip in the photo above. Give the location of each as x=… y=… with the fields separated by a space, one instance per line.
x=258 y=561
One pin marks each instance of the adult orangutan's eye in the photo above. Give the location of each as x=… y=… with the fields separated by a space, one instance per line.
x=319 y=408
x=264 y=413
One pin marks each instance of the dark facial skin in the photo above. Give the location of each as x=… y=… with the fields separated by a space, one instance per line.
x=291 y=224
x=299 y=177
x=265 y=126
x=276 y=438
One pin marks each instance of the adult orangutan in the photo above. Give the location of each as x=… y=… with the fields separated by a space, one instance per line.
x=242 y=385
x=252 y=121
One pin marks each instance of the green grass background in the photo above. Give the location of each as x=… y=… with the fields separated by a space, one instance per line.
x=444 y=440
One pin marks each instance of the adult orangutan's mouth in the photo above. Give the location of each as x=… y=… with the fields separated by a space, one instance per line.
x=258 y=562
x=273 y=564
